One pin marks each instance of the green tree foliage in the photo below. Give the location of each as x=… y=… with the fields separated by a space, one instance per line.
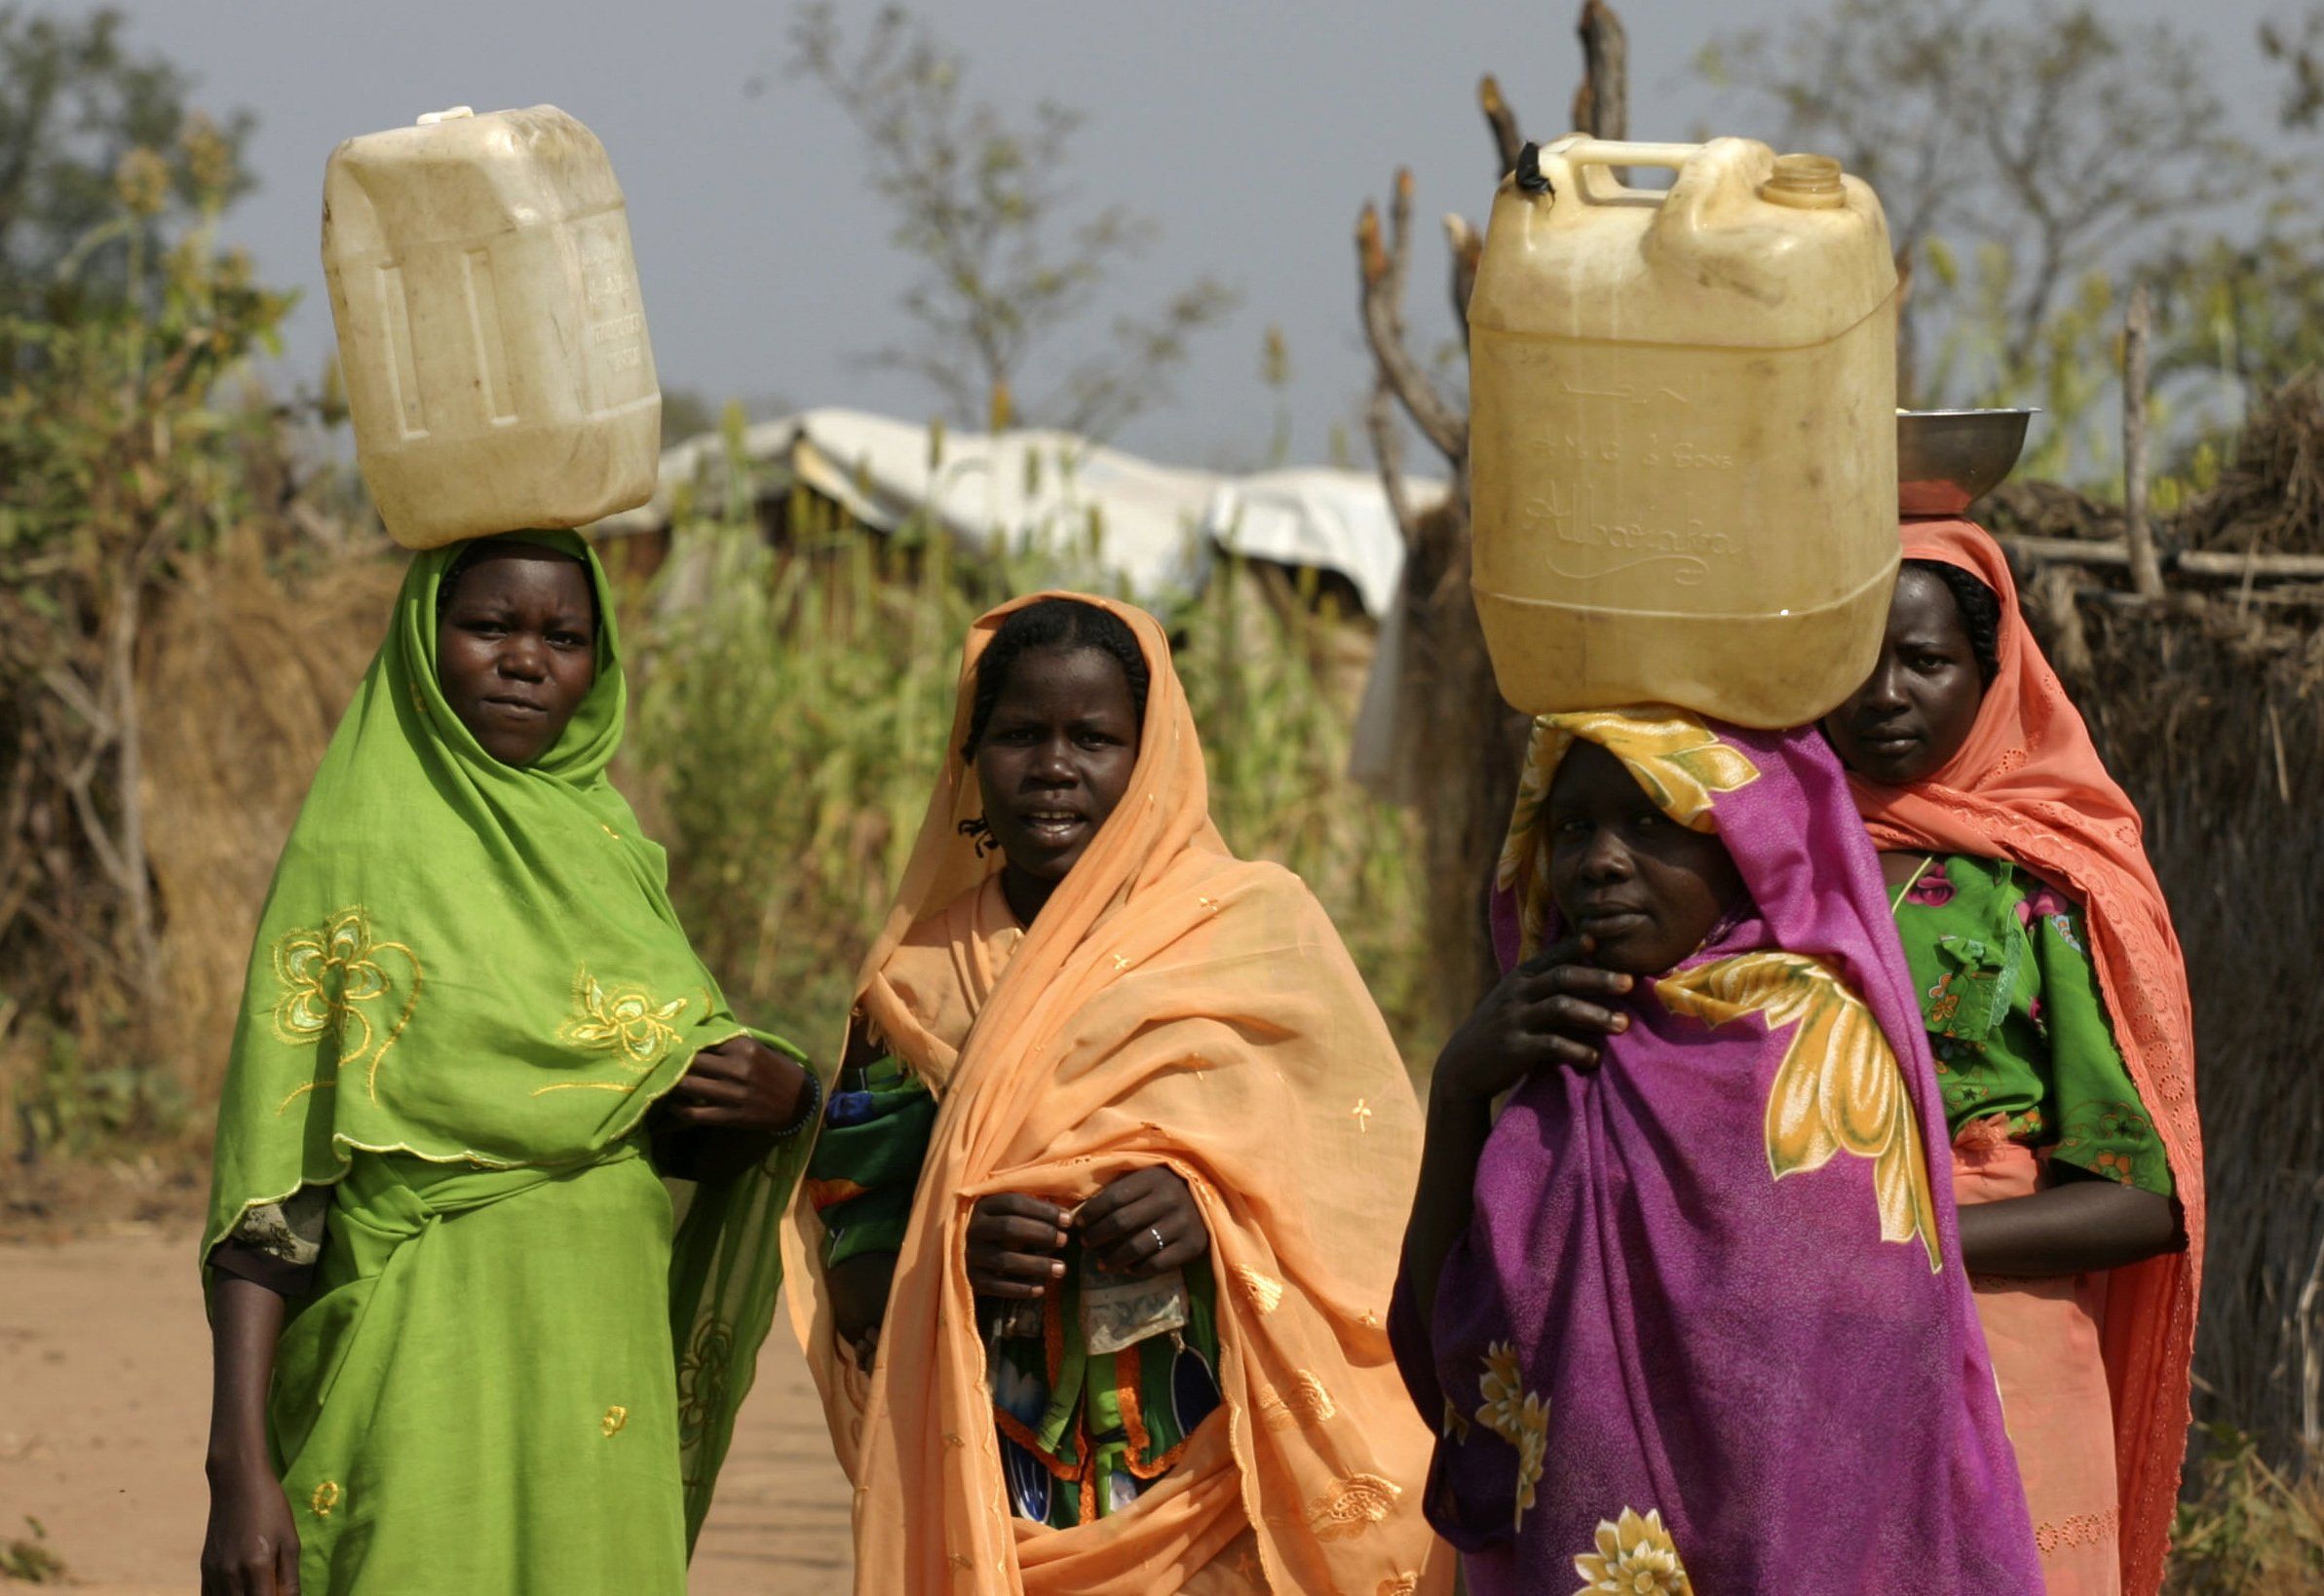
x=80 y=113
x=121 y=451
x=2026 y=161
x=1008 y=263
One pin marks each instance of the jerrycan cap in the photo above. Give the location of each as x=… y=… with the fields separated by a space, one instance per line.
x=1804 y=183
x=428 y=119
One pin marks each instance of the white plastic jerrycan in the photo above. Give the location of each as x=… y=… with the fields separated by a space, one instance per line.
x=490 y=331
x=1683 y=431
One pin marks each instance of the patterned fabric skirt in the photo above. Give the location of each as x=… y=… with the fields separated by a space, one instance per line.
x=479 y=1394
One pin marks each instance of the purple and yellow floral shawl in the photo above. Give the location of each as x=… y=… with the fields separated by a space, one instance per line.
x=1709 y=1330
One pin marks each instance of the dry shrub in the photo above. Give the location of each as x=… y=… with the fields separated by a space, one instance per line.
x=2246 y=1527
x=246 y=669
x=2027 y=509
x=2270 y=498
x=2213 y=719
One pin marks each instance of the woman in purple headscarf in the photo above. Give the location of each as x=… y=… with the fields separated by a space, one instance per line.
x=1690 y=1313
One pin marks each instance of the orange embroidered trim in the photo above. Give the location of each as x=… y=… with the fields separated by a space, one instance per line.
x=1308 y=1400
x=2078 y=1530
x=1133 y=1421
x=823 y=1194
x=1009 y=1426
x=1265 y=1292
x=1351 y=1507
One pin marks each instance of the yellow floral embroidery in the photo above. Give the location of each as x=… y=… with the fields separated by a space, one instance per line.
x=1363 y=1114
x=625 y=1021
x=1517 y=1416
x=1398 y=1584
x=1351 y=1507
x=334 y=984
x=1306 y=1400
x=324 y=1499
x=1265 y=1291
x=1678 y=760
x=616 y=1419
x=1635 y=1557
x=622 y=1020
x=1456 y=1426
x=1839 y=1088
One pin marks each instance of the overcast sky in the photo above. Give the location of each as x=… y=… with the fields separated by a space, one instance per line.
x=1250 y=133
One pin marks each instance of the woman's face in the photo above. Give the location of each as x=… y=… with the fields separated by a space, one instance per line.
x=516 y=649
x=1056 y=757
x=1917 y=706
x=1644 y=888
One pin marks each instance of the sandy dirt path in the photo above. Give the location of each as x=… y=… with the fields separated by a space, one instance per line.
x=104 y=1402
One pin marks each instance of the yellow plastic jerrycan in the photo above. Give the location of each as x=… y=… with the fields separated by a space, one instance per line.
x=490 y=331
x=1683 y=431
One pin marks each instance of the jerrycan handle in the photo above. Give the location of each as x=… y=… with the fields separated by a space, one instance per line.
x=1582 y=153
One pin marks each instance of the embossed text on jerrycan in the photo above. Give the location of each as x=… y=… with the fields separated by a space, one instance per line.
x=490 y=332
x=1683 y=431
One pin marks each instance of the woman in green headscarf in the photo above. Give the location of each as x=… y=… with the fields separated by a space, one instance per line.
x=462 y=1342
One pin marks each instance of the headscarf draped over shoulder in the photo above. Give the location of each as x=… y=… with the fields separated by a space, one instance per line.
x=473 y=963
x=2028 y=787
x=1171 y=1005
x=1713 y=1285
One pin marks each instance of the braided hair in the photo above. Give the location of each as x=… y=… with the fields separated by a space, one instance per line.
x=1980 y=613
x=1052 y=623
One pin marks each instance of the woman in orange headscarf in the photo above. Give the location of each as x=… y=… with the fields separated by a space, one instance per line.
x=2056 y=1000
x=1098 y=1245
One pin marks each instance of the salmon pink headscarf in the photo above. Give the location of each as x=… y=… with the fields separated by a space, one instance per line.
x=1171 y=1005
x=2028 y=787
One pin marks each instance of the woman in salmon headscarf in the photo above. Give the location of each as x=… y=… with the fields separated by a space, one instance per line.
x=1097 y=1256
x=2055 y=998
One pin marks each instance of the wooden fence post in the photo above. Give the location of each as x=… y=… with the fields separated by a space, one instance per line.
x=2146 y=571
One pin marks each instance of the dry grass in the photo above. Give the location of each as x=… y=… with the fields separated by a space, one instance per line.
x=2244 y=1526
x=246 y=669
x=2213 y=721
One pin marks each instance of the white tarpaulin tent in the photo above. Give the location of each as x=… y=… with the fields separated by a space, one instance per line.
x=1088 y=507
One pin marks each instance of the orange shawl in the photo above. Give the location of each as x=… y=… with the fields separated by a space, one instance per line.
x=1172 y=1004
x=2027 y=787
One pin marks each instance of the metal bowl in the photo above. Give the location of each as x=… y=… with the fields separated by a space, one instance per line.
x=1945 y=459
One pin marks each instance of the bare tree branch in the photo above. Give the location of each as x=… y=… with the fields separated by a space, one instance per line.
x=1378 y=278
x=1467 y=246
x=1602 y=105
x=1501 y=123
x=1388 y=449
x=981 y=201
x=2146 y=573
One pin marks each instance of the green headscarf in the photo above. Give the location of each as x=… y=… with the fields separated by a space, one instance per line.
x=472 y=961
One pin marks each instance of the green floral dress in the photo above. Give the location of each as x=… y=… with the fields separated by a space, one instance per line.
x=2017 y=1020
x=1083 y=1433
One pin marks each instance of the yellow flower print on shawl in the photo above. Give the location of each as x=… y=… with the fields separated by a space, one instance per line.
x=1517 y=1416
x=1839 y=1088
x=1634 y=1557
x=332 y=983
x=1678 y=760
x=622 y=1020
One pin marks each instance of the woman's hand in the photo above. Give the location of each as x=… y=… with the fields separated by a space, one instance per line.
x=742 y=1085
x=1553 y=1010
x=729 y=1109
x=1014 y=1242
x=252 y=1545
x=1143 y=1223
x=252 y=1548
